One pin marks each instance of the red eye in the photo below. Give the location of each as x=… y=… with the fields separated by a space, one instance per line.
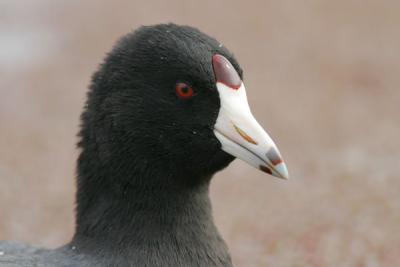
x=183 y=90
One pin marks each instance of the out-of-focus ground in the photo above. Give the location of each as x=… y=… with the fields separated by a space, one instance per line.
x=322 y=76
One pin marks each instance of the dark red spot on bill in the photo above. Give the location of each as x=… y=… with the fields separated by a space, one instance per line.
x=225 y=73
x=274 y=156
x=265 y=169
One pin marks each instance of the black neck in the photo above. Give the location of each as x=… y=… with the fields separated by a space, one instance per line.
x=131 y=211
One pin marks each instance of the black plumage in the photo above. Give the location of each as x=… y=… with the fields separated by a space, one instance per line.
x=146 y=160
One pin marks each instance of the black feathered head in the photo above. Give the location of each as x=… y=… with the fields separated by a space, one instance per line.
x=171 y=98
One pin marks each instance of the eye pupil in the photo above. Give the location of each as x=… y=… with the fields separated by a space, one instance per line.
x=183 y=90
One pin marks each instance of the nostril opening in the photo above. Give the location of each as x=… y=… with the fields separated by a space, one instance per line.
x=244 y=135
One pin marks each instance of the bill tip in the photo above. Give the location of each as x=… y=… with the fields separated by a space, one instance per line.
x=282 y=171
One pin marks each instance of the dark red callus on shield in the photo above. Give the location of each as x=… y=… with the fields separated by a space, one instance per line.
x=225 y=73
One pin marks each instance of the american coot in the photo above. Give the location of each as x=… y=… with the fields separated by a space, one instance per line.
x=165 y=111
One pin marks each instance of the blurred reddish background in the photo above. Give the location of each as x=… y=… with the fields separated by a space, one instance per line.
x=322 y=76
